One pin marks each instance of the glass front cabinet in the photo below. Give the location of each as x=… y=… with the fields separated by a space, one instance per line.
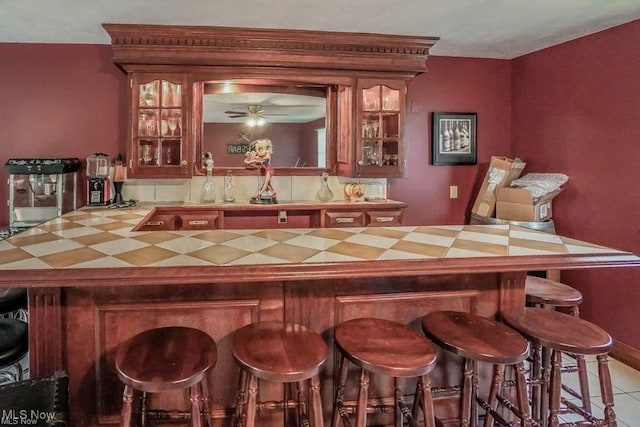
x=380 y=108
x=160 y=131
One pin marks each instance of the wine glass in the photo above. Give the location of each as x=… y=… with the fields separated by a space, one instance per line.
x=147 y=154
x=172 y=122
x=167 y=154
x=376 y=126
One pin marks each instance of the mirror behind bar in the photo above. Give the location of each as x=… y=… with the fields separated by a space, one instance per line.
x=293 y=117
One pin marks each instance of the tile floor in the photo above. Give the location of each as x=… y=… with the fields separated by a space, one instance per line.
x=626 y=390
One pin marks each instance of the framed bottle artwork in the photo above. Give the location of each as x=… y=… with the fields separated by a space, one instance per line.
x=453 y=140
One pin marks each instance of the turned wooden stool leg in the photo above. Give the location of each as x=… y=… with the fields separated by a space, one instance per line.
x=556 y=386
x=252 y=396
x=427 y=400
x=465 y=413
x=535 y=375
x=194 y=397
x=496 y=385
x=338 y=411
x=143 y=409
x=522 y=396
x=363 y=397
x=397 y=395
x=316 y=402
x=606 y=390
x=127 y=399
x=241 y=399
x=301 y=399
x=544 y=387
x=204 y=387
x=584 y=383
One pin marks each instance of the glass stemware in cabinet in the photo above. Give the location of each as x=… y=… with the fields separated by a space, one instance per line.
x=172 y=122
x=147 y=154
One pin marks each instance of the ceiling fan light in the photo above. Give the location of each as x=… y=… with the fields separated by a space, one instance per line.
x=251 y=122
x=260 y=121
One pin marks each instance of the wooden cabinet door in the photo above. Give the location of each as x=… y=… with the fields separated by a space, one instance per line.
x=379 y=128
x=160 y=132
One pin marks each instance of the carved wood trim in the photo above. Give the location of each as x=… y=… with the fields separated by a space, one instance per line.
x=226 y=46
x=45 y=332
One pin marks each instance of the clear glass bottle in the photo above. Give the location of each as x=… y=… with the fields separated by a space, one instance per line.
x=229 y=196
x=208 y=188
x=324 y=194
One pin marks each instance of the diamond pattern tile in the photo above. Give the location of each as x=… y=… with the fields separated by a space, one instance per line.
x=102 y=238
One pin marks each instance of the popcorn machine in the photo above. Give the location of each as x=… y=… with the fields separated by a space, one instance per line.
x=41 y=189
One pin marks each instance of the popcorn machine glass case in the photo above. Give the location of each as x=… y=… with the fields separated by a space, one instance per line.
x=41 y=189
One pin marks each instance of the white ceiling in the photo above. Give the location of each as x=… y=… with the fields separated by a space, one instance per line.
x=501 y=29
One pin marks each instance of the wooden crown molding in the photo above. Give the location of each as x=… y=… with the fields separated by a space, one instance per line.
x=225 y=46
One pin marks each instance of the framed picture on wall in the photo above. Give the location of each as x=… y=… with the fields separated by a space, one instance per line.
x=453 y=140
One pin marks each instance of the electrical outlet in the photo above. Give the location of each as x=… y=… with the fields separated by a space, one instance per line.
x=453 y=192
x=282 y=217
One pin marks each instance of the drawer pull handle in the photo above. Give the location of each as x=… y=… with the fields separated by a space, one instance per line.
x=198 y=222
x=385 y=219
x=155 y=223
x=344 y=220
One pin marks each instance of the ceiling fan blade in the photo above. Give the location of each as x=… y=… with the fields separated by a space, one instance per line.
x=238 y=113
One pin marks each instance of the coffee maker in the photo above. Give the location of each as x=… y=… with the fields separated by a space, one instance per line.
x=98 y=185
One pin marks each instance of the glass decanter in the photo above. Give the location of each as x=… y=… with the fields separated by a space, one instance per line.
x=324 y=194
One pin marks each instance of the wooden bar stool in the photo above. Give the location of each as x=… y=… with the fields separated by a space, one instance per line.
x=279 y=352
x=551 y=294
x=166 y=359
x=386 y=348
x=478 y=339
x=562 y=332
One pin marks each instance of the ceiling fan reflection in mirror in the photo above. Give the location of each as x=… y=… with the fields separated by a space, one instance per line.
x=255 y=115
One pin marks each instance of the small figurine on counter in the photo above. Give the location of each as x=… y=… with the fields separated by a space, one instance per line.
x=259 y=156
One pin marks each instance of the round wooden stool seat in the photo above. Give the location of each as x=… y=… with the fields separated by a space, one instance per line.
x=549 y=292
x=559 y=333
x=165 y=359
x=558 y=330
x=475 y=337
x=385 y=347
x=391 y=349
x=172 y=358
x=478 y=339
x=279 y=352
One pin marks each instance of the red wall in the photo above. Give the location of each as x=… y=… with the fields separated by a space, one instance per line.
x=58 y=101
x=576 y=109
x=461 y=85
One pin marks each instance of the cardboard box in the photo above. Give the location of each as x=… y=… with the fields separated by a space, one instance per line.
x=502 y=170
x=517 y=204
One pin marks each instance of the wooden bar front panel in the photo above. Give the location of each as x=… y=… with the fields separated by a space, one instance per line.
x=97 y=320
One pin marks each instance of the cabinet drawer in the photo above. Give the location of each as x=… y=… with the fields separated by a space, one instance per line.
x=344 y=219
x=160 y=222
x=384 y=218
x=207 y=221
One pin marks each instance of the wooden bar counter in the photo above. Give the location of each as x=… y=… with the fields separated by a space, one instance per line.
x=93 y=282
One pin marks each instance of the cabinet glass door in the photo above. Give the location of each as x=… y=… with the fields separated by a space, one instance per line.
x=380 y=136
x=159 y=135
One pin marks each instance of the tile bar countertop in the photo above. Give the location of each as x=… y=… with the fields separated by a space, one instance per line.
x=93 y=246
